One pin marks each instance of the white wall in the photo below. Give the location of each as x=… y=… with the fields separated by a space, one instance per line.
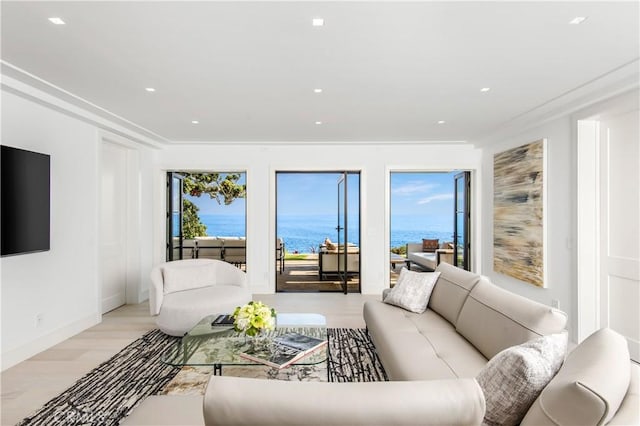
x=560 y=175
x=62 y=284
x=375 y=161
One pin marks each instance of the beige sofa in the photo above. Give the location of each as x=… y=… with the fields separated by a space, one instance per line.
x=432 y=360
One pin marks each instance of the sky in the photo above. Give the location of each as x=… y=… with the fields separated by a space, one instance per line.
x=305 y=194
x=427 y=195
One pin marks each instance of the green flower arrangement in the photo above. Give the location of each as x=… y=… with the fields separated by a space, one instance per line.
x=254 y=317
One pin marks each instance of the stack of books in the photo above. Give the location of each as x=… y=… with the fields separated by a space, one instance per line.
x=284 y=350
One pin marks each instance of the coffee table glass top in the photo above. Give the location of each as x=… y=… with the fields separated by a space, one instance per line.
x=211 y=345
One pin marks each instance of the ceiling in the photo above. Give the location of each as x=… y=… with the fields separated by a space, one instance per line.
x=389 y=71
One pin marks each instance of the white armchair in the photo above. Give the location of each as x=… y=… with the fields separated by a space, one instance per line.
x=183 y=292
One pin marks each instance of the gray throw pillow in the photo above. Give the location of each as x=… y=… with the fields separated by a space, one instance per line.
x=412 y=291
x=512 y=380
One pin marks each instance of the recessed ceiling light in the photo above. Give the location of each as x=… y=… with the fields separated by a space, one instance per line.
x=578 y=20
x=195 y=122
x=317 y=90
x=441 y=122
x=318 y=122
x=485 y=89
x=317 y=22
x=57 y=21
x=149 y=89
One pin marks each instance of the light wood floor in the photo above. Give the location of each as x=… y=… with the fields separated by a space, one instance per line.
x=30 y=384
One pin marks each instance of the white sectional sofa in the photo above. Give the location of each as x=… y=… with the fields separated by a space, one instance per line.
x=432 y=360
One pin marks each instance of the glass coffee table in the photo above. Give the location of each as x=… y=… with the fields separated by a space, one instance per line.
x=217 y=346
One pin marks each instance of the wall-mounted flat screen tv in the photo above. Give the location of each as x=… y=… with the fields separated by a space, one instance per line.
x=25 y=196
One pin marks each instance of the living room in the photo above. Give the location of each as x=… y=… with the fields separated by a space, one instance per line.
x=87 y=91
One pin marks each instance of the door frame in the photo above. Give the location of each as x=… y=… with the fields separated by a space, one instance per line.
x=274 y=221
x=475 y=255
x=170 y=194
x=466 y=251
x=133 y=292
x=586 y=130
x=166 y=202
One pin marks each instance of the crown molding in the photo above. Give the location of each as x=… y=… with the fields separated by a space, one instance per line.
x=611 y=84
x=322 y=143
x=21 y=83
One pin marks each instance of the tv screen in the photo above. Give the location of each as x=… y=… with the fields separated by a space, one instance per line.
x=24 y=188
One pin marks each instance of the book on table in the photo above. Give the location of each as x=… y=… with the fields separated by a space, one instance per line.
x=223 y=320
x=284 y=350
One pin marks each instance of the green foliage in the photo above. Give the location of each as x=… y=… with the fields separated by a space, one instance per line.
x=223 y=190
x=191 y=225
x=295 y=256
x=401 y=250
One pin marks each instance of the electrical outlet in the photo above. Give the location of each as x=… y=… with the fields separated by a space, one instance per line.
x=555 y=303
x=39 y=319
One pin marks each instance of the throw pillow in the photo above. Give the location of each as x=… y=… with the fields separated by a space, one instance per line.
x=413 y=290
x=430 y=246
x=512 y=380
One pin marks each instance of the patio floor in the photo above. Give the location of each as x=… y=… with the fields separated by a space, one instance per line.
x=302 y=276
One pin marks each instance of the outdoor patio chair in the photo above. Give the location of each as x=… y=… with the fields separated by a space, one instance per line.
x=209 y=248
x=189 y=248
x=235 y=251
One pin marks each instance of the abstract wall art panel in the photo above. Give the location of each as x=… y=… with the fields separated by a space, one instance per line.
x=519 y=214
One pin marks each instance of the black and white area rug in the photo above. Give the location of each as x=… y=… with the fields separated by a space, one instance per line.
x=109 y=392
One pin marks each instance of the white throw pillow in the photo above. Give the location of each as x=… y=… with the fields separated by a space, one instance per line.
x=187 y=277
x=413 y=290
x=512 y=380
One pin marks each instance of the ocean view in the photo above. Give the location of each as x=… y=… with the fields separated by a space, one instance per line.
x=303 y=234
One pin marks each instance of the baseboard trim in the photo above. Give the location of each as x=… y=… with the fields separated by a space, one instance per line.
x=144 y=295
x=41 y=343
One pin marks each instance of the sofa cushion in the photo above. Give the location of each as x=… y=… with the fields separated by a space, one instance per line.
x=589 y=387
x=412 y=290
x=451 y=290
x=419 y=346
x=429 y=246
x=514 y=378
x=493 y=319
x=180 y=276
